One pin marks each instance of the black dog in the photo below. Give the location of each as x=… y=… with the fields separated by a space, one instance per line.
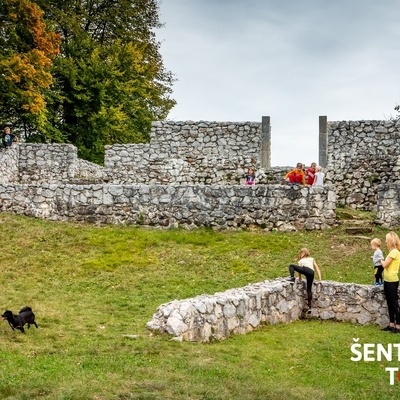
x=25 y=316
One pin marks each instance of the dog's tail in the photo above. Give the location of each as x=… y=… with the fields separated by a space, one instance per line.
x=26 y=308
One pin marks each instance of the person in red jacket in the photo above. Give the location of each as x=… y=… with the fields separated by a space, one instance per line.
x=296 y=176
x=311 y=170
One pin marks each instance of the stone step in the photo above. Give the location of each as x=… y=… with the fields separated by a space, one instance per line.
x=356 y=222
x=358 y=230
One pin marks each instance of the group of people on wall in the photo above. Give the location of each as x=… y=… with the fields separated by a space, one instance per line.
x=312 y=176
x=386 y=273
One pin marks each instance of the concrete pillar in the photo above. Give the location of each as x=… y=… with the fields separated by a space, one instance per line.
x=323 y=140
x=266 y=143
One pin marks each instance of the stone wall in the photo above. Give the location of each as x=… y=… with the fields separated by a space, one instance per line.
x=388 y=205
x=187 y=153
x=188 y=206
x=85 y=171
x=238 y=311
x=9 y=171
x=46 y=163
x=361 y=156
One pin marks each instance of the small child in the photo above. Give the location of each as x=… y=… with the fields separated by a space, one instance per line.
x=319 y=177
x=310 y=173
x=250 y=177
x=7 y=140
x=296 y=176
x=376 y=260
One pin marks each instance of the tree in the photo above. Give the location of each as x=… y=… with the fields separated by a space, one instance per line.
x=27 y=48
x=110 y=82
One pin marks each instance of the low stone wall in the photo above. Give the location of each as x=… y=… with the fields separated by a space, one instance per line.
x=188 y=206
x=238 y=311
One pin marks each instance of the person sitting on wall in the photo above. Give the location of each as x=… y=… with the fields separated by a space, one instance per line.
x=311 y=173
x=319 y=177
x=296 y=176
x=7 y=138
x=250 y=177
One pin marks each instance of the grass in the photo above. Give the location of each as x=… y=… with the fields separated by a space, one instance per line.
x=94 y=288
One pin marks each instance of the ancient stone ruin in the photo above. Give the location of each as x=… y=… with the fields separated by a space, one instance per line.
x=191 y=175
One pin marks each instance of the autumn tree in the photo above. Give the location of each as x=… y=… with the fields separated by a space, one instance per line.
x=27 y=49
x=110 y=82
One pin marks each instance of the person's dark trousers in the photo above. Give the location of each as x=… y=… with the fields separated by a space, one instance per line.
x=392 y=300
x=378 y=275
x=309 y=274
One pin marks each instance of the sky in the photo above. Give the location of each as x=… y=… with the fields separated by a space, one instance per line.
x=292 y=60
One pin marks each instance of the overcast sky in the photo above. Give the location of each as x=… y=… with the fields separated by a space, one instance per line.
x=294 y=60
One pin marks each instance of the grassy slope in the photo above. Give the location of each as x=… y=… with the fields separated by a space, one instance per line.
x=89 y=286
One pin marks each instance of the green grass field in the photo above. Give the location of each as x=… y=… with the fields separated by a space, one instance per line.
x=93 y=289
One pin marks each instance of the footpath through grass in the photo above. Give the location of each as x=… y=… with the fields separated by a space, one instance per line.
x=94 y=288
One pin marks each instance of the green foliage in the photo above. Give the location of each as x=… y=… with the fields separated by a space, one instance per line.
x=27 y=48
x=94 y=288
x=107 y=85
x=110 y=81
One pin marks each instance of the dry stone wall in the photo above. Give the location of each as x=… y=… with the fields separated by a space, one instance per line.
x=239 y=311
x=47 y=163
x=361 y=156
x=388 y=209
x=44 y=163
x=187 y=153
x=9 y=171
x=188 y=206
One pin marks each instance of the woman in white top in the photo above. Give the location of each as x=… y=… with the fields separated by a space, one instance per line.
x=306 y=266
